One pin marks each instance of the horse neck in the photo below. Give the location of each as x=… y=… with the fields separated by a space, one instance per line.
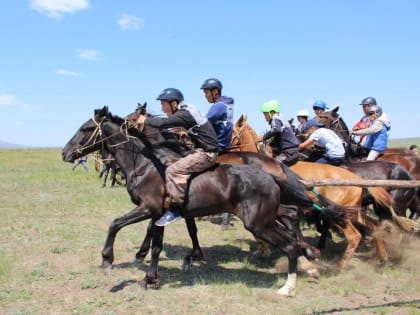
x=248 y=140
x=129 y=152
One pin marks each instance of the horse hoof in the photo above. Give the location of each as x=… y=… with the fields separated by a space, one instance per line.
x=187 y=266
x=286 y=291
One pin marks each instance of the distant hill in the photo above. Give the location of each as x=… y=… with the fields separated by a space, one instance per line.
x=8 y=145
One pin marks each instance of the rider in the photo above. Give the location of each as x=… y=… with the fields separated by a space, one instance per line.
x=202 y=157
x=319 y=107
x=377 y=134
x=285 y=144
x=302 y=117
x=324 y=138
x=220 y=115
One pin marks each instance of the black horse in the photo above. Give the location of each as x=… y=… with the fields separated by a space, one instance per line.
x=249 y=193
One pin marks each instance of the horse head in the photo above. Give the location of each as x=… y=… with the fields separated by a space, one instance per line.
x=332 y=120
x=244 y=138
x=90 y=136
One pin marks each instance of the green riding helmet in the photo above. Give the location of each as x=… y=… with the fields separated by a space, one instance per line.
x=270 y=106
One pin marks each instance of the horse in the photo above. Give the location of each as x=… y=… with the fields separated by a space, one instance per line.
x=245 y=137
x=250 y=193
x=267 y=164
x=405 y=157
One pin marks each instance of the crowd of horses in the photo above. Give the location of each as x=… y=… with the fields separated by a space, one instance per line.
x=268 y=197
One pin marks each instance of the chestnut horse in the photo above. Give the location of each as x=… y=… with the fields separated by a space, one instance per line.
x=245 y=138
x=248 y=192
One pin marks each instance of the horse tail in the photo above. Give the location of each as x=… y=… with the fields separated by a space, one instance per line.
x=383 y=198
x=295 y=189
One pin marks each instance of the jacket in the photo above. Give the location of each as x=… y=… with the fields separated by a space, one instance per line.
x=220 y=115
x=377 y=134
x=199 y=128
x=284 y=139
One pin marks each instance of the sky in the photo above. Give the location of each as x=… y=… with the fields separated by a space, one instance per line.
x=61 y=59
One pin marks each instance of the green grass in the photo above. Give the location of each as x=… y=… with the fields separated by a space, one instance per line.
x=53 y=226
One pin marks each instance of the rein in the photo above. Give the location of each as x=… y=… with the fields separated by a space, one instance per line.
x=98 y=133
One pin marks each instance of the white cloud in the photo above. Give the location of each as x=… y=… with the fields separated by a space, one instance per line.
x=128 y=22
x=66 y=73
x=89 y=54
x=8 y=100
x=56 y=8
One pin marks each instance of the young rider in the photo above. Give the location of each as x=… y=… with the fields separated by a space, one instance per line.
x=220 y=115
x=319 y=107
x=203 y=156
x=284 y=142
x=377 y=134
x=324 y=138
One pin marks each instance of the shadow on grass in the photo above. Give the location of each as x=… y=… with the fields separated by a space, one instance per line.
x=223 y=264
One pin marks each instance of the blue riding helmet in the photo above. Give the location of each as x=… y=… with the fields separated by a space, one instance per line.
x=320 y=105
x=170 y=95
x=212 y=83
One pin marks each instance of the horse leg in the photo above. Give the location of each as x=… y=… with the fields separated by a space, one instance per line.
x=145 y=246
x=136 y=215
x=353 y=238
x=196 y=253
x=152 y=277
x=105 y=177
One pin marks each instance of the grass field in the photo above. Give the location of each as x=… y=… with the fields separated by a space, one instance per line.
x=53 y=226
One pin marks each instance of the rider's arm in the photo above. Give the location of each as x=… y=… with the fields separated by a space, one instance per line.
x=376 y=127
x=308 y=142
x=275 y=130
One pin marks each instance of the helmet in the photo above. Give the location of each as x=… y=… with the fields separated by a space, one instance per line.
x=212 y=84
x=270 y=106
x=369 y=101
x=170 y=94
x=375 y=109
x=320 y=104
x=303 y=113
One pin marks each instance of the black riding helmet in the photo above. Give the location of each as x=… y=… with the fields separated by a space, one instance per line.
x=170 y=95
x=212 y=83
x=369 y=101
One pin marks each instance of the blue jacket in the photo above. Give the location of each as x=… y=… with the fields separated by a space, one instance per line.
x=220 y=116
x=377 y=141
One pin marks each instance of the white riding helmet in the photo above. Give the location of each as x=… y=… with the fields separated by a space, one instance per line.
x=303 y=113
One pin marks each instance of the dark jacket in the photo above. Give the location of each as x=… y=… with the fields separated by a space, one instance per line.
x=199 y=128
x=284 y=137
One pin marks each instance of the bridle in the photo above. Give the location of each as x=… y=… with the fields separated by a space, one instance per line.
x=97 y=136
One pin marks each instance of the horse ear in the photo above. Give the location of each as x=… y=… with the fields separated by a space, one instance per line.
x=102 y=112
x=335 y=109
x=240 y=120
x=141 y=109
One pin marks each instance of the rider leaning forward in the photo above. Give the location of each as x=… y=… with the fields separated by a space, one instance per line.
x=202 y=157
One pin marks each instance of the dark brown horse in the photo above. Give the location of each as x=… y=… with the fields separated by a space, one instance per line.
x=247 y=192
